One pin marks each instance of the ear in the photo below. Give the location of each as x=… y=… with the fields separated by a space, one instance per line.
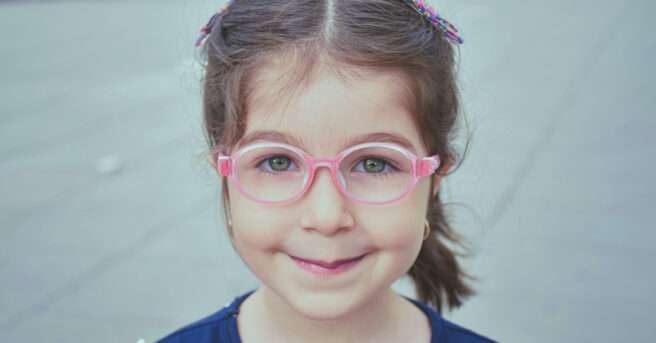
x=437 y=178
x=212 y=161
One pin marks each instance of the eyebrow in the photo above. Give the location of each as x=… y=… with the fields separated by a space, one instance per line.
x=286 y=138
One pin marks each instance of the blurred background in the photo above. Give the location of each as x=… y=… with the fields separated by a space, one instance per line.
x=110 y=229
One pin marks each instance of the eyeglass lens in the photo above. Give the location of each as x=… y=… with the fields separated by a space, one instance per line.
x=374 y=174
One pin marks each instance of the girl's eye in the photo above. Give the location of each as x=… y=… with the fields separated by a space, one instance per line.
x=373 y=165
x=277 y=163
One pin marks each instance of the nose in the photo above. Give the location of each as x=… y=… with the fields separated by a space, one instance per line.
x=326 y=208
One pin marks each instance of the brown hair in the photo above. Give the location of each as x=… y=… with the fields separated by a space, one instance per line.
x=372 y=34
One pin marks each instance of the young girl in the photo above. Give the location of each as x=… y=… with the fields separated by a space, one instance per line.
x=330 y=123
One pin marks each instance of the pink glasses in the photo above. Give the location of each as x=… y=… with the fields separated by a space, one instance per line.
x=372 y=173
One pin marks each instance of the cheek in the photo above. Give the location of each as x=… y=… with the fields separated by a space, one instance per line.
x=400 y=225
x=397 y=232
x=254 y=225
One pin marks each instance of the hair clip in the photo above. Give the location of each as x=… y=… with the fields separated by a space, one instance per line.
x=205 y=31
x=426 y=10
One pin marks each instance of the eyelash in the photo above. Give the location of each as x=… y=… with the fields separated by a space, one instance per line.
x=262 y=165
x=390 y=167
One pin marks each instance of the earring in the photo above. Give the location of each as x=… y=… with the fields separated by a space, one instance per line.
x=426 y=229
x=230 y=227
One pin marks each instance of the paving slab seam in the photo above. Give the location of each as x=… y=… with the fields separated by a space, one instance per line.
x=63 y=137
x=103 y=265
x=574 y=87
x=12 y=222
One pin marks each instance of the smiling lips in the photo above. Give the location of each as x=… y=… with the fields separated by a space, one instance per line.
x=331 y=264
x=327 y=268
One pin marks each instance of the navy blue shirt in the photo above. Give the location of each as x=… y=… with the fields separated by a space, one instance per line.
x=221 y=327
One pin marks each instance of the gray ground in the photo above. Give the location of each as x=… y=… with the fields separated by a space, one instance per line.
x=109 y=228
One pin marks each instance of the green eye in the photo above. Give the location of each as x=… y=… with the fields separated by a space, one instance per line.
x=279 y=163
x=373 y=165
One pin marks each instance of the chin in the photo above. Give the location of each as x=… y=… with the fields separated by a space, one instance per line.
x=322 y=307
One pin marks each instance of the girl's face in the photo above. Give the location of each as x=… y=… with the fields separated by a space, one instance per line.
x=323 y=224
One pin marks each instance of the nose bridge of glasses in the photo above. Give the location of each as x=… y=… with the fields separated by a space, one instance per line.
x=332 y=164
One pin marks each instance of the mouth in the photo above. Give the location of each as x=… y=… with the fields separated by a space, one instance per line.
x=327 y=268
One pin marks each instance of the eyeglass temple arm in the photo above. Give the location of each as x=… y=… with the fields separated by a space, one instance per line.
x=428 y=165
x=224 y=164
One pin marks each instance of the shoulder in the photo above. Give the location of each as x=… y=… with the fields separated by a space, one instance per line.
x=445 y=331
x=458 y=334
x=214 y=328
x=218 y=327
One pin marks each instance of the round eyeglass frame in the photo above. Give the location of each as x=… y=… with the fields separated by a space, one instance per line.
x=227 y=166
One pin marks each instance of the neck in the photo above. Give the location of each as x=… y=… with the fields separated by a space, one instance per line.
x=275 y=318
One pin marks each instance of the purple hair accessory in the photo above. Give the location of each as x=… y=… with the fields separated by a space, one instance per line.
x=429 y=12
x=205 y=31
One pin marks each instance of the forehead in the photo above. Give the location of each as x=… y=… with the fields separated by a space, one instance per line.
x=329 y=110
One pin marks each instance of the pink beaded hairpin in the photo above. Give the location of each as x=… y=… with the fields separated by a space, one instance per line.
x=422 y=7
